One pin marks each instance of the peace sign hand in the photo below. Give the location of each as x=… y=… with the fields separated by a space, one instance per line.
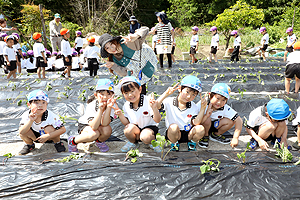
x=209 y=110
x=118 y=111
x=203 y=101
x=171 y=90
x=152 y=101
x=111 y=101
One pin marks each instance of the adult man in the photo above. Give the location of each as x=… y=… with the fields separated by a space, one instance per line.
x=55 y=37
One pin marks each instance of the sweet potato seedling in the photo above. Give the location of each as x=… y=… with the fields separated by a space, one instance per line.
x=161 y=141
x=210 y=165
x=283 y=152
x=133 y=153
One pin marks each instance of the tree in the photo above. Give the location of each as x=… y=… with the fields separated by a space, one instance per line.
x=237 y=16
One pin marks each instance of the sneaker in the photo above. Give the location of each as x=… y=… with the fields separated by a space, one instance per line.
x=102 y=146
x=295 y=145
x=196 y=60
x=219 y=138
x=5 y=71
x=27 y=148
x=156 y=149
x=274 y=141
x=203 y=142
x=129 y=146
x=72 y=147
x=192 y=146
x=173 y=146
x=60 y=146
x=253 y=143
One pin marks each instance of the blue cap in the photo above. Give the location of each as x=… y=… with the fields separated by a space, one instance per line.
x=192 y=82
x=278 y=109
x=105 y=84
x=38 y=95
x=221 y=89
x=128 y=79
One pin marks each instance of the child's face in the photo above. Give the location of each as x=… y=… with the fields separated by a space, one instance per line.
x=263 y=32
x=194 y=32
x=218 y=101
x=133 y=95
x=290 y=33
x=186 y=95
x=10 y=42
x=38 y=106
x=104 y=94
x=213 y=32
x=40 y=39
x=132 y=22
x=159 y=19
x=3 y=25
x=111 y=48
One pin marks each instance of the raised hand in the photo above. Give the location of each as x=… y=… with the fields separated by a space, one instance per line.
x=118 y=111
x=129 y=38
x=171 y=90
x=32 y=115
x=203 y=101
x=108 y=64
x=111 y=101
x=152 y=101
x=209 y=110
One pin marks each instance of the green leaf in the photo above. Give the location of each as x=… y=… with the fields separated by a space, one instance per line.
x=203 y=169
x=155 y=143
x=133 y=160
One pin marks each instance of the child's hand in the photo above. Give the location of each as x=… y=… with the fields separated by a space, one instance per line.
x=43 y=138
x=263 y=145
x=171 y=90
x=209 y=110
x=118 y=111
x=67 y=59
x=234 y=142
x=152 y=101
x=32 y=115
x=111 y=101
x=203 y=102
x=8 y=63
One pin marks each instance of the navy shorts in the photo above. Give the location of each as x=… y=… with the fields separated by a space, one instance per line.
x=13 y=65
x=67 y=63
x=289 y=49
x=40 y=62
x=173 y=50
x=193 y=50
x=213 y=49
x=264 y=47
x=184 y=136
x=292 y=70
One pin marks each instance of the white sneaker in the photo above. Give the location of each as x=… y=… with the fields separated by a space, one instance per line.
x=129 y=146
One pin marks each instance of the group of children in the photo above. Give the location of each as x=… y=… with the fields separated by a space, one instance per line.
x=186 y=121
x=40 y=59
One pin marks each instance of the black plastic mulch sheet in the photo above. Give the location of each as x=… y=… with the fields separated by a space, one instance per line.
x=107 y=176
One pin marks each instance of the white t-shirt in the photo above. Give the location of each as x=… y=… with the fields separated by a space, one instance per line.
x=293 y=57
x=142 y=117
x=91 y=52
x=225 y=111
x=237 y=41
x=65 y=48
x=265 y=38
x=10 y=52
x=78 y=42
x=2 y=45
x=75 y=62
x=291 y=39
x=23 y=63
x=81 y=58
x=257 y=117
x=194 y=40
x=91 y=111
x=50 y=62
x=17 y=46
x=48 y=119
x=59 y=63
x=31 y=65
x=38 y=48
x=182 y=118
x=154 y=40
x=214 y=40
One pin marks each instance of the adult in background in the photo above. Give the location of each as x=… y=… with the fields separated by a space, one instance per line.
x=164 y=40
x=55 y=37
x=129 y=55
x=133 y=24
x=293 y=69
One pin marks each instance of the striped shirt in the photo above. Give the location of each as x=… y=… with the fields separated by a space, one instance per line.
x=164 y=33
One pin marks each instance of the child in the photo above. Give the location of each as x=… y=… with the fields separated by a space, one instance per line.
x=76 y=66
x=94 y=124
x=10 y=56
x=222 y=117
x=194 y=44
x=91 y=54
x=2 y=45
x=268 y=122
x=214 y=45
x=31 y=62
x=183 y=117
x=39 y=124
x=140 y=115
x=292 y=69
x=66 y=52
x=291 y=40
x=78 y=41
x=39 y=54
x=264 y=42
x=50 y=61
x=17 y=47
x=24 y=60
x=237 y=46
x=165 y=36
